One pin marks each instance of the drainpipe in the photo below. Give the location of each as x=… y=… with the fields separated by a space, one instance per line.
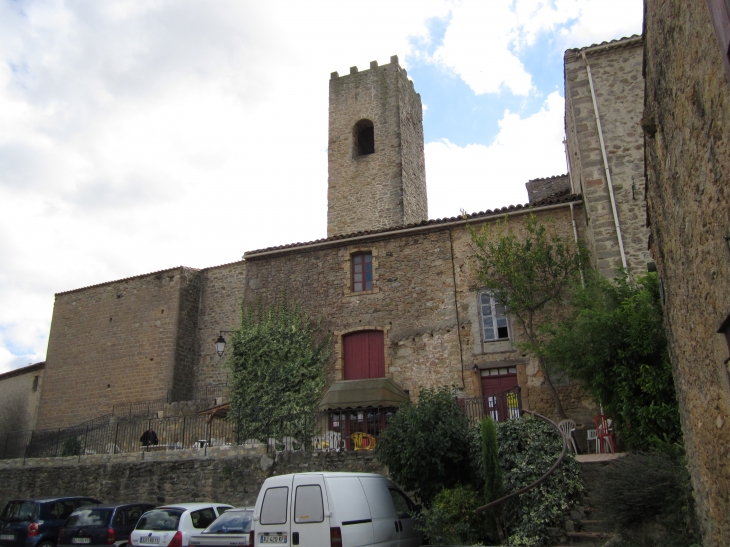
x=570 y=171
x=605 y=165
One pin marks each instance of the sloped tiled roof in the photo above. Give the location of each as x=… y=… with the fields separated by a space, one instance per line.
x=547 y=202
x=611 y=44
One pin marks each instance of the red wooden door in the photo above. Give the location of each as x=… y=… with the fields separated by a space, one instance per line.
x=493 y=392
x=364 y=355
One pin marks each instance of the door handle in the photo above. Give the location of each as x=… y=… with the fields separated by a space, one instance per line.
x=295 y=538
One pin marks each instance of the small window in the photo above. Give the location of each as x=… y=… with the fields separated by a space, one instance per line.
x=494 y=319
x=203 y=518
x=364 y=136
x=35 y=383
x=362 y=272
x=273 y=509
x=402 y=504
x=222 y=509
x=308 y=505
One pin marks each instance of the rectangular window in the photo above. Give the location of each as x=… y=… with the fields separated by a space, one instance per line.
x=273 y=509
x=494 y=319
x=362 y=272
x=308 y=505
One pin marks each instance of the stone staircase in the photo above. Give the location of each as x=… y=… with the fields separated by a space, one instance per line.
x=588 y=525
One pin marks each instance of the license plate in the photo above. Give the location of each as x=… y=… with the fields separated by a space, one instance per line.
x=273 y=538
x=148 y=539
x=9 y=537
x=80 y=540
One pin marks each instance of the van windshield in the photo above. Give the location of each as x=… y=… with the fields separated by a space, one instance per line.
x=160 y=519
x=19 y=511
x=231 y=522
x=89 y=517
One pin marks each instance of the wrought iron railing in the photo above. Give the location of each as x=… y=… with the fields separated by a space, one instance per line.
x=500 y=407
x=334 y=430
x=350 y=429
x=147 y=408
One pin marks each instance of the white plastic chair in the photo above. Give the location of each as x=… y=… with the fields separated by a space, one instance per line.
x=566 y=428
x=592 y=435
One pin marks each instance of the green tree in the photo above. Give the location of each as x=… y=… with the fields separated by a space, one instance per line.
x=615 y=345
x=277 y=371
x=427 y=446
x=493 y=489
x=530 y=276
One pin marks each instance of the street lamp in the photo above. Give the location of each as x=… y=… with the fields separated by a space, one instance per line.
x=220 y=344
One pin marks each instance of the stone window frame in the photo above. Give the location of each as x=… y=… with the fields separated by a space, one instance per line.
x=347 y=269
x=364 y=280
x=499 y=343
x=340 y=348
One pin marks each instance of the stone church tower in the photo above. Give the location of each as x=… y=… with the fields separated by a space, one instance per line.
x=377 y=173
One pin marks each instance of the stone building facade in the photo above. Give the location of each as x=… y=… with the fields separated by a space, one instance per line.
x=151 y=336
x=604 y=92
x=20 y=393
x=686 y=123
x=377 y=171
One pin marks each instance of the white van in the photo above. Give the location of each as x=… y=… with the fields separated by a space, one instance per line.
x=333 y=509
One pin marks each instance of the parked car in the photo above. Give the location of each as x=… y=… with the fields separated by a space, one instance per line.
x=231 y=529
x=172 y=525
x=101 y=524
x=337 y=509
x=36 y=522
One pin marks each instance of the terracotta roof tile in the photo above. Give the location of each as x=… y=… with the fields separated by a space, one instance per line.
x=553 y=200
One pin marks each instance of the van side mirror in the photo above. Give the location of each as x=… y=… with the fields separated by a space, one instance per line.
x=255 y=518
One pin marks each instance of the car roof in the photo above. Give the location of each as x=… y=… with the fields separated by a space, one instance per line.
x=114 y=505
x=192 y=506
x=332 y=474
x=46 y=500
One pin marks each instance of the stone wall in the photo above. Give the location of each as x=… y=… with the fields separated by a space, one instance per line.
x=20 y=392
x=687 y=124
x=548 y=187
x=619 y=88
x=388 y=187
x=222 y=477
x=220 y=309
x=419 y=276
x=114 y=343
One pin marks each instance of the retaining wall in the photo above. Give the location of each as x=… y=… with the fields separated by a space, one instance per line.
x=225 y=474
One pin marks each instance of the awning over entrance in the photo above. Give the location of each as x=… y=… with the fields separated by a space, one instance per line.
x=363 y=393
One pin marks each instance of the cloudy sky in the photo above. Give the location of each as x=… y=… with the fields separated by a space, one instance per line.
x=137 y=135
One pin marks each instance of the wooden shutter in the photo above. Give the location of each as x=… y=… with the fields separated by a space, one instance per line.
x=364 y=353
x=720 y=15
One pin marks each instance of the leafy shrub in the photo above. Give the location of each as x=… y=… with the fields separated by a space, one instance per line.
x=427 y=446
x=615 y=345
x=71 y=447
x=527 y=449
x=452 y=518
x=642 y=485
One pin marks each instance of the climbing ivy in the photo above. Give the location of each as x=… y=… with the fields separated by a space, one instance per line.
x=277 y=371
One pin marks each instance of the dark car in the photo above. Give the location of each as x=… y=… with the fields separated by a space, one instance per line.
x=35 y=523
x=102 y=524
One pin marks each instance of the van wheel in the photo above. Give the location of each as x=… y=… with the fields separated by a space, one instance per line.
x=46 y=544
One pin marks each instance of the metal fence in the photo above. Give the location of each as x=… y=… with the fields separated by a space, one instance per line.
x=500 y=407
x=146 y=408
x=331 y=430
x=351 y=429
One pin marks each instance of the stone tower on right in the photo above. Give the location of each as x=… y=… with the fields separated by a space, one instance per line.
x=377 y=172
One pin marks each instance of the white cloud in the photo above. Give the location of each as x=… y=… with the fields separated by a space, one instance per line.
x=483 y=40
x=477 y=177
